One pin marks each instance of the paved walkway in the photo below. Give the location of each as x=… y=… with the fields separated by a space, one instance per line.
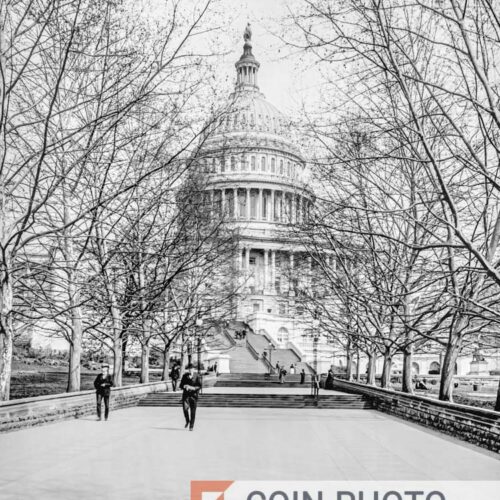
x=145 y=453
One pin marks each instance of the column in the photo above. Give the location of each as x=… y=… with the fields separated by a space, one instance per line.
x=248 y=203
x=223 y=200
x=273 y=269
x=212 y=208
x=271 y=211
x=261 y=207
x=235 y=202
x=292 y=215
x=266 y=268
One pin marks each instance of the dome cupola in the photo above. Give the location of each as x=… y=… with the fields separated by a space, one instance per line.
x=247 y=66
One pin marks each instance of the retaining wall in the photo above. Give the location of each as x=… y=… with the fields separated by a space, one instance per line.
x=475 y=425
x=27 y=412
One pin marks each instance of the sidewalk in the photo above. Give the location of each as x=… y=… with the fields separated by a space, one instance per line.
x=147 y=453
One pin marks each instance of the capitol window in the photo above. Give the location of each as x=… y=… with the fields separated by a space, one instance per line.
x=233 y=163
x=263 y=164
x=288 y=169
x=273 y=165
x=252 y=163
x=223 y=165
x=281 y=167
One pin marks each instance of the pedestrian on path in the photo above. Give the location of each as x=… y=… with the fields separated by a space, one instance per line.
x=191 y=386
x=315 y=385
x=174 y=376
x=282 y=375
x=103 y=384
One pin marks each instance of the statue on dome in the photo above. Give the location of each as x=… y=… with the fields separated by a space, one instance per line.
x=247 y=35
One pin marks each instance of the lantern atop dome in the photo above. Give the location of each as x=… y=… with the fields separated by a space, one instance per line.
x=247 y=67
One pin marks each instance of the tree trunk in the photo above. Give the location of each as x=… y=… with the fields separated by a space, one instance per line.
x=117 y=361
x=75 y=351
x=358 y=368
x=448 y=368
x=6 y=332
x=386 y=371
x=348 y=367
x=145 y=363
x=370 y=377
x=407 y=384
x=166 y=366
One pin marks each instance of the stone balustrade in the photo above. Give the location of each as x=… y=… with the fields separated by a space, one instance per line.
x=27 y=412
x=475 y=425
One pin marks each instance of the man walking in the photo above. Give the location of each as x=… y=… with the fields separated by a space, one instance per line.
x=190 y=385
x=103 y=384
x=174 y=375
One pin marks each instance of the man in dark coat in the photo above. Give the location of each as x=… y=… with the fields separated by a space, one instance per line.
x=103 y=384
x=174 y=375
x=302 y=376
x=191 y=386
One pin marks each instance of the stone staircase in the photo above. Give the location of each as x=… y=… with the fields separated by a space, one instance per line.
x=250 y=354
x=243 y=360
x=326 y=401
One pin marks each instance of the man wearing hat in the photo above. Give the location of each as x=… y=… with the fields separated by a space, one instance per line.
x=190 y=385
x=103 y=384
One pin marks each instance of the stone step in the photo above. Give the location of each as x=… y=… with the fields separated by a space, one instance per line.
x=346 y=401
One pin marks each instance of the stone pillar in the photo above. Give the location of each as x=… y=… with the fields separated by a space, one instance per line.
x=223 y=200
x=273 y=269
x=247 y=259
x=292 y=215
x=240 y=258
x=260 y=210
x=271 y=211
x=248 y=203
x=266 y=268
x=235 y=202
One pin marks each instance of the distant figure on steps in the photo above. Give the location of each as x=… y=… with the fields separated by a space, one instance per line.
x=302 y=376
x=282 y=374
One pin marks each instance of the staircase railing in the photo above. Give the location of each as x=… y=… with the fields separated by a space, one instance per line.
x=295 y=348
x=252 y=351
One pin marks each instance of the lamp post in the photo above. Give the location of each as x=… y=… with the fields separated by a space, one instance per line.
x=199 y=323
x=270 y=348
x=315 y=325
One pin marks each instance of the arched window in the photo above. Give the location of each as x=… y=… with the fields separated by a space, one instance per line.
x=263 y=164
x=282 y=332
x=214 y=166
x=434 y=368
x=223 y=165
x=288 y=169
x=233 y=163
x=243 y=163
x=252 y=163
x=281 y=167
x=273 y=165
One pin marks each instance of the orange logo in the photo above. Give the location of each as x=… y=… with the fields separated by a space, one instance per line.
x=198 y=488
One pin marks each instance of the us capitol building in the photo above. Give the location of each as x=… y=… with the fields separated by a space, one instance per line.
x=256 y=177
